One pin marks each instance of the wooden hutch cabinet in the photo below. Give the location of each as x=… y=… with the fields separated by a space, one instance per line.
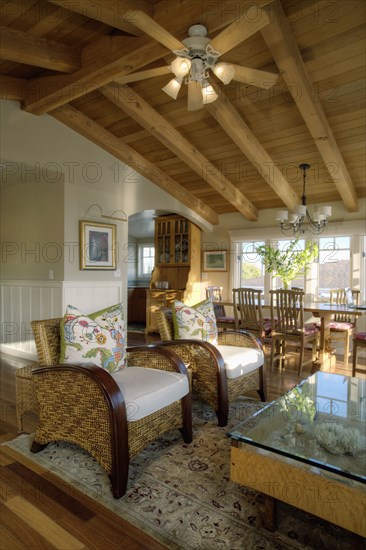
x=177 y=262
x=172 y=241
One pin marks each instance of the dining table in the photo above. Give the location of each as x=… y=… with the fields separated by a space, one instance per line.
x=323 y=312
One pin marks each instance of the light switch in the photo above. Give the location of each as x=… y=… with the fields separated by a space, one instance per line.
x=50 y=274
x=117 y=273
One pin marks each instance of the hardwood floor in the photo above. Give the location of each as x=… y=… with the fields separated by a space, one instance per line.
x=37 y=513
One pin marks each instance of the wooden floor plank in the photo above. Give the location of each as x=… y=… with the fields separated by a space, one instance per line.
x=19 y=533
x=43 y=524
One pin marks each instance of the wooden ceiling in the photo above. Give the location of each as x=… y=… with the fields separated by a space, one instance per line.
x=73 y=59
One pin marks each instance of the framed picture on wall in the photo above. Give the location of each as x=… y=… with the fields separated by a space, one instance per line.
x=214 y=260
x=97 y=245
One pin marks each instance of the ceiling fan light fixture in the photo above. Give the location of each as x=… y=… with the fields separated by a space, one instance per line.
x=208 y=93
x=224 y=72
x=173 y=87
x=180 y=66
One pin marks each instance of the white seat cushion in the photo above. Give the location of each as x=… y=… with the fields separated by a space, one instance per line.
x=148 y=390
x=239 y=360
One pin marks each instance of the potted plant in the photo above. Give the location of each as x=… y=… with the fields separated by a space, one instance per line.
x=288 y=263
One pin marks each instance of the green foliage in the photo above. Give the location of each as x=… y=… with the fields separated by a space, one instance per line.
x=297 y=404
x=250 y=271
x=288 y=263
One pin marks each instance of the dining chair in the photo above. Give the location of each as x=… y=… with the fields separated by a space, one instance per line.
x=359 y=342
x=222 y=320
x=288 y=326
x=249 y=314
x=343 y=325
x=112 y=415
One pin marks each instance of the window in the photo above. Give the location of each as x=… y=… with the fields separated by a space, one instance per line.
x=251 y=269
x=146 y=260
x=334 y=263
x=341 y=263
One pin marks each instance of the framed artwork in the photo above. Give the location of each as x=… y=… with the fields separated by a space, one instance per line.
x=97 y=245
x=214 y=260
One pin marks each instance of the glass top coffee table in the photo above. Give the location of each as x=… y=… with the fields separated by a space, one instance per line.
x=308 y=448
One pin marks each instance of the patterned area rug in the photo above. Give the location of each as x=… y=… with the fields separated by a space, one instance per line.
x=182 y=494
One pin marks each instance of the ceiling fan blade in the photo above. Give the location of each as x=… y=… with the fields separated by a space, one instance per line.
x=238 y=31
x=261 y=79
x=141 y=75
x=195 y=99
x=147 y=24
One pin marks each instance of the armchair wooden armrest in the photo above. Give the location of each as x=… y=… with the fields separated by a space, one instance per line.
x=83 y=404
x=208 y=372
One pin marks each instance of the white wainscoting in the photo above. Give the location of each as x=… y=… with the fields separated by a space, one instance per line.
x=23 y=301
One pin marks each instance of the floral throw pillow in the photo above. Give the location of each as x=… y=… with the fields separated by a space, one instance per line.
x=196 y=322
x=98 y=338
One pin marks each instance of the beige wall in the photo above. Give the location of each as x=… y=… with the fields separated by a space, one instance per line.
x=32 y=225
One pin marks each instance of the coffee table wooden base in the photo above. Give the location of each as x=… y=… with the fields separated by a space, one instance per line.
x=328 y=496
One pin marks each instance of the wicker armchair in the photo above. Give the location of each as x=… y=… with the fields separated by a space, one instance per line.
x=210 y=365
x=85 y=404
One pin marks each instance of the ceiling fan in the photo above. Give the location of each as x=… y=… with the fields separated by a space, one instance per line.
x=197 y=56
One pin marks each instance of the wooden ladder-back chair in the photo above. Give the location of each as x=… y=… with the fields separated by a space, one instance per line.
x=222 y=320
x=88 y=406
x=249 y=314
x=343 y=325
x=287 y=313
x=222 y=373
x=359 y=342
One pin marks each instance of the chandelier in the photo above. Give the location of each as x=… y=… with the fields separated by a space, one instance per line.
x=300 y=221
x=193 y=63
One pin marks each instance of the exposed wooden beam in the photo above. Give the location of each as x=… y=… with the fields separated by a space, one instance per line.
x=22 y=47
x=152 y=28
x=116 y=56
x=119 y=14
x=85 y=126
x=233 y=124
x=142 y=75
x=136 y=107
x=281 y=42
x=12 y=88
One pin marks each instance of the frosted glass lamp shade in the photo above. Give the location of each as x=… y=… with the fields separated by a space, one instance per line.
x=224 y=72
x=208 y=93
x=282 y=215
x=300 y=210
x=326 y=211
x=180 y=66
x=173 y=87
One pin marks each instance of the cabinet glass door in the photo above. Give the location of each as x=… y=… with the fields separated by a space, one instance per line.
x=164 y=242
x=181 y=241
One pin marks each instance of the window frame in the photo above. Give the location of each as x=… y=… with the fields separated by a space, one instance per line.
x=140 y=259
x=311 y=279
